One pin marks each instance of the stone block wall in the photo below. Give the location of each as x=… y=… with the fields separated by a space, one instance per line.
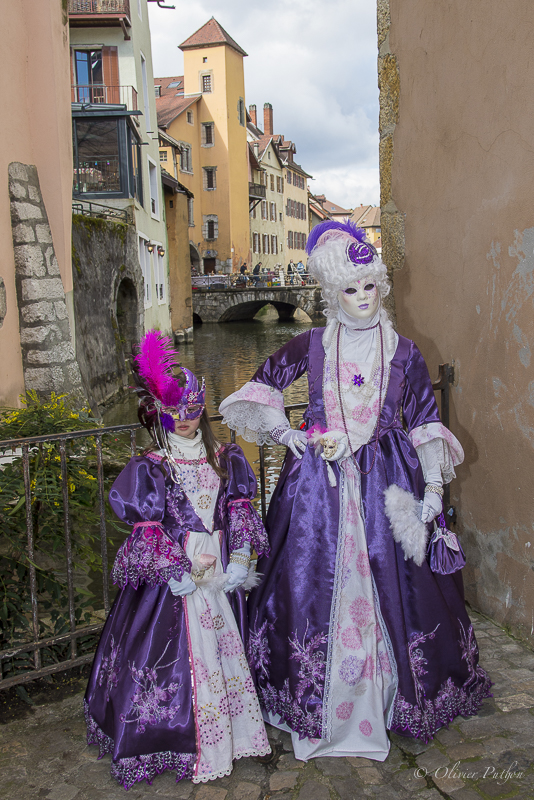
x=108 y=302
x=49 y=360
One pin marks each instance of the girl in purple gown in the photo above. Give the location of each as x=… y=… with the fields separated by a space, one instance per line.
x=351 y=633
x=170 y=686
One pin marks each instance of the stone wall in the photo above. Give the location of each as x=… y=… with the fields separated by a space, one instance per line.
x=48 y=358
x=108 y=302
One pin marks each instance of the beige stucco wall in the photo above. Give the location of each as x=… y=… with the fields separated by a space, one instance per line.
x=35 y=95
x=457 y=202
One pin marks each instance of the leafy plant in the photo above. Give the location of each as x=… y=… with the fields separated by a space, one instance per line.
x=40 y=417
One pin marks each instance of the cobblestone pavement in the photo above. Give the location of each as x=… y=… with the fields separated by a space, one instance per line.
x=490 y=756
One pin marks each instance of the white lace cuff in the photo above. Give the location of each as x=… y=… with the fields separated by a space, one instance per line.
x=253 y=411
x=435 y=444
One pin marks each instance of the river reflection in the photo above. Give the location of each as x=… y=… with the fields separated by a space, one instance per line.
x=227 y=355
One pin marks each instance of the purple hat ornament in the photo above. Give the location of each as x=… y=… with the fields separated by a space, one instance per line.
x=359 y=250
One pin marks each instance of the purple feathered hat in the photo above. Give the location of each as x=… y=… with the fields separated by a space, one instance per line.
x=359 y=250
x=161 y=392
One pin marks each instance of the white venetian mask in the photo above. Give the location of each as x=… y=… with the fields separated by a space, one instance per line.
x=360 y=299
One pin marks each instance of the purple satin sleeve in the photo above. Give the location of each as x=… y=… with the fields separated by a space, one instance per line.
x=149 y=555
x=138 y=494
x=244 y=523
x=287 y=364
x=419 y=403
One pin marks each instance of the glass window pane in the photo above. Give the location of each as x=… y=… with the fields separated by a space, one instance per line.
x=98 y=156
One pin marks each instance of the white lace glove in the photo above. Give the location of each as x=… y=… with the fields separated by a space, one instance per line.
x=180 y=588
x=295 y=440
x=335 y=446
x=432 y=505
x=237 y=571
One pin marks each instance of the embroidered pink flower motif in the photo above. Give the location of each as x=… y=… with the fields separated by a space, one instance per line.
x=351 y=638
x=362 y=414
x=218 y=622
x=224 y=706
x=230 y=644
x=378 y=633
x=360 y=611
x=206 y=620
x=236 y=704
x=201 y=671
x=350 y=544
x=384 y=662
x=365 y=727
x=207 y=479
x=369 y=668
x=344 y=710
x=249 y=685
x=362 y=564
x=259 y=740
x=351 y=669
x=210 y=731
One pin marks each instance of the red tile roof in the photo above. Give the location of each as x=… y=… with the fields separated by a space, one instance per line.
x=170 y=106
x=210 y=35
x=164 y=84
x=366 y=216
x=332 y=208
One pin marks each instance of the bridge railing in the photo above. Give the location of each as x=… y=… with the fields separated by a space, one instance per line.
x=265 y=280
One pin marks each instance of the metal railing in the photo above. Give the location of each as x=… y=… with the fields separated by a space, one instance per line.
x=264 y=280
x=89 y=209
x=256 y=191
x=98 y=175
x=21 y=448
x=99 y=7
x=99 y=94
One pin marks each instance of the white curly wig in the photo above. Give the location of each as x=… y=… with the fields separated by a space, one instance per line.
x=330 y=246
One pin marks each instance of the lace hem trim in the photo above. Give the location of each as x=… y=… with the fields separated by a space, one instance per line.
x=246 y=526
x=214 y=775
x=149 y=556
x=129 y=771
x=423 y=721
x=436 y=445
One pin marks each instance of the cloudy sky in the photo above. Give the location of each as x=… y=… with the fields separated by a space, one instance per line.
x=315 y=61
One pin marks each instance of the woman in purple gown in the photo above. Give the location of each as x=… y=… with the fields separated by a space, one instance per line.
x=351 y=633
x=170 y=686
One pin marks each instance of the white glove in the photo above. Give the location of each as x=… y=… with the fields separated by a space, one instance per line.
x=432 y=506
x=237 y=573
x=180 y=588
x=331 y=452
x=296 y=440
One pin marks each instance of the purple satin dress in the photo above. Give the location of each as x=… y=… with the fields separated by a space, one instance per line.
x=432 y=637
x=139 y=701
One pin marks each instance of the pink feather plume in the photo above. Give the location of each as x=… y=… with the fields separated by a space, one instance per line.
x=155 y=362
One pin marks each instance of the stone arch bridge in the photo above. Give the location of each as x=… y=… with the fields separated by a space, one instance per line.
x=230 y=304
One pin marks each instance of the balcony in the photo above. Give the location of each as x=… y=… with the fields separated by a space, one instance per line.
x=256 y=191
x=99 y=14
x=98 y=94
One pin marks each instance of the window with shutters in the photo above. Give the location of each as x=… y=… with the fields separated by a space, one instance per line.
x=304 y=239
x=144 y=78
x=209 y=178
x=208 y=134
x=206 y=84
x=273 y=212
x=160 y=275
x=186 y=159
x=256 y=242
x=153 y=174
x=253 y=213
x=266 y=243
x=274 y=245
x=144 y=262
x=190 y=212
x=210 y=228
x=272 y=182
x=290 y=239
x=240 y=111
x=264 y=209
x=288 y=176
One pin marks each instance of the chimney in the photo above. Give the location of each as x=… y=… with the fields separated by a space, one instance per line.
x=254 y=117
x=268 y=119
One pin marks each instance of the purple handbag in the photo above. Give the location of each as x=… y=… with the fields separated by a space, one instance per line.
x=446 y=554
